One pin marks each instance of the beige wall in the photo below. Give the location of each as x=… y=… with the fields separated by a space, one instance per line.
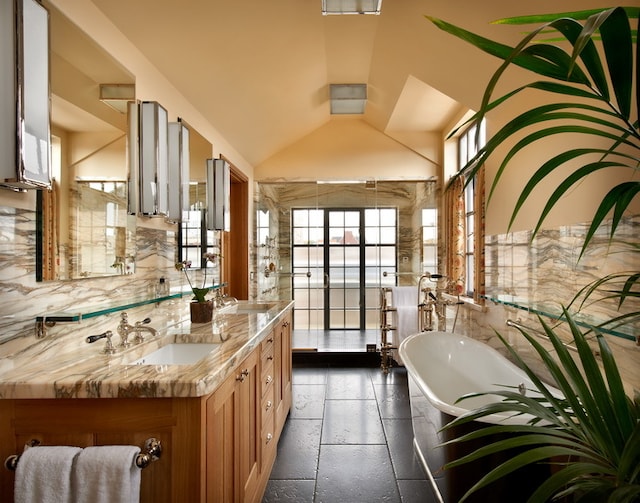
x=345 y=149
x=150 y=83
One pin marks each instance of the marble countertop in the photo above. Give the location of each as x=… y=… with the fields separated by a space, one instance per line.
x=86 y=371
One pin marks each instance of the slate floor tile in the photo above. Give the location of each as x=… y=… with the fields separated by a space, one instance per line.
x=355 y=474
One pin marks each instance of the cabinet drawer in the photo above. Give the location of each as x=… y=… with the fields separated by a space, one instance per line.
x=268 y=343
x=267 y=355
x=268 y=404
x=269 y=441
x=267 y=380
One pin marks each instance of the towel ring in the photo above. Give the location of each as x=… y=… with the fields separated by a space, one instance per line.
x=151 y=452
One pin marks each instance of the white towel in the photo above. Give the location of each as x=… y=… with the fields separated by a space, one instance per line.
x=405 y=300
x=43 y=474
x=404 y=296
x=107 y=474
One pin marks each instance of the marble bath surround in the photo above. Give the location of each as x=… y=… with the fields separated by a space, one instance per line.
x=526 y=278
x=68 y=367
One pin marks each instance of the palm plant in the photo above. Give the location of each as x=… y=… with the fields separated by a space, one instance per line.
x=596 y=104
x=596 y=428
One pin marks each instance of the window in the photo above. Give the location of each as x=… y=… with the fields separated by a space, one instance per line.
x=429 y=240
x=194 y=238
x=472 y=140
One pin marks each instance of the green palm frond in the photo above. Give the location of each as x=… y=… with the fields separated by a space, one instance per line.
x=595 y=425
x=579 y=73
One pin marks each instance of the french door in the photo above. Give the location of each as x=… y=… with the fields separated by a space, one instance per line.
x=339 y=255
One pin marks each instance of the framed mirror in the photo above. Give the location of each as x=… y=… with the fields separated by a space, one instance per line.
x=84 y=225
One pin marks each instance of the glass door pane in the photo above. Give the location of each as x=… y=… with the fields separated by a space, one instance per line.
x=344 y=292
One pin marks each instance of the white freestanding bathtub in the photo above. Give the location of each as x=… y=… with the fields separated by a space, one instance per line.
x=442 y=367
x=446 y=366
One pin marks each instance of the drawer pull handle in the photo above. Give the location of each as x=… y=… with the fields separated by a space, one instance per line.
x=268 y=405
x=243 y=375
x=269 y=379
x=269 y=357
x=269 y=437
x=270 y=339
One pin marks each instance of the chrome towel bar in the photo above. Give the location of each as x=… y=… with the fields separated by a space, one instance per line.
x=152 y=451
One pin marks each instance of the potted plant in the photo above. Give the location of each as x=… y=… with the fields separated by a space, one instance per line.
x=201 y=309
x=593 y=434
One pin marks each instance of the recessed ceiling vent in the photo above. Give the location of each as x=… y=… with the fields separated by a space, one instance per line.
x=348 y=98
x=351 y=7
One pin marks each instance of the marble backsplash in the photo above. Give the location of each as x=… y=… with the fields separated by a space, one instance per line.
x=23 y=298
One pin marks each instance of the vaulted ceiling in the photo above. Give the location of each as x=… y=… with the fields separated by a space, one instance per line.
x=260 y=70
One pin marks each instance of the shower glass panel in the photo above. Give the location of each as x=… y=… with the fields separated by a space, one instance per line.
x=331 y=246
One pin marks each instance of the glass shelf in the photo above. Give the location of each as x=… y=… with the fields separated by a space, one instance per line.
x=113 y=307
x=582 y=320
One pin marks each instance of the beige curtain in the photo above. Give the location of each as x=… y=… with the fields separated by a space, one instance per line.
x=479 y=286
x=455 y=235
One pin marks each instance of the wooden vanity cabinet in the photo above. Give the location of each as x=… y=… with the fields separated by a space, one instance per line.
x=218 y=448
x=233 y=429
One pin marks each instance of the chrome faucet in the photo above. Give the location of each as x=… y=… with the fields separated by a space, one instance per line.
x=139 y=327
x=432 y=303
x=124 y=329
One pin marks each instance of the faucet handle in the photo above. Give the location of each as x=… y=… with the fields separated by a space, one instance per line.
x=108 y=347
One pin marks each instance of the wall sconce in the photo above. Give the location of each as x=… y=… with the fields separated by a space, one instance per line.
x=218 y=195
x=116 y=96
x=148 y=143
x=25 y=98
x=179 y=161
x=351 y=7
x=348 y=98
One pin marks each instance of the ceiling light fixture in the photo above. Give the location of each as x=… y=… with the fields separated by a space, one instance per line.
x=351 y=7
x=348 y=98
x=117 y=95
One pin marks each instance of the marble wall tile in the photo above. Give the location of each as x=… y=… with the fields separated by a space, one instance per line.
x=23 y=298
x=546 y=273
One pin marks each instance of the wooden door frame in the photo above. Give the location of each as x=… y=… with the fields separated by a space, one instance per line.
x=235 y=244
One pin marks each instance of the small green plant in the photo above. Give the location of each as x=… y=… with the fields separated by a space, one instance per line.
x=199 y=293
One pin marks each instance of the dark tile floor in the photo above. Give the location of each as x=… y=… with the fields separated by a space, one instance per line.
x=348 y=439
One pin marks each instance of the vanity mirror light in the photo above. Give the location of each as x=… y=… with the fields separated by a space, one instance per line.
x=148 y=159
x=84 y=227
x=179 y=164
x=24 y=95
x=218 y=195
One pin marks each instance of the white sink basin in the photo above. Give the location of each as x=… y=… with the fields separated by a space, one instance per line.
x=178 y=354
x=249 y=308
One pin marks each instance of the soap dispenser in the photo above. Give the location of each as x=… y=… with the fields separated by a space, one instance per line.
x=163 y=288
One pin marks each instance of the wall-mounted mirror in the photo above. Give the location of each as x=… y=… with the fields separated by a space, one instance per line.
x=194 y=240
x=85 y=228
